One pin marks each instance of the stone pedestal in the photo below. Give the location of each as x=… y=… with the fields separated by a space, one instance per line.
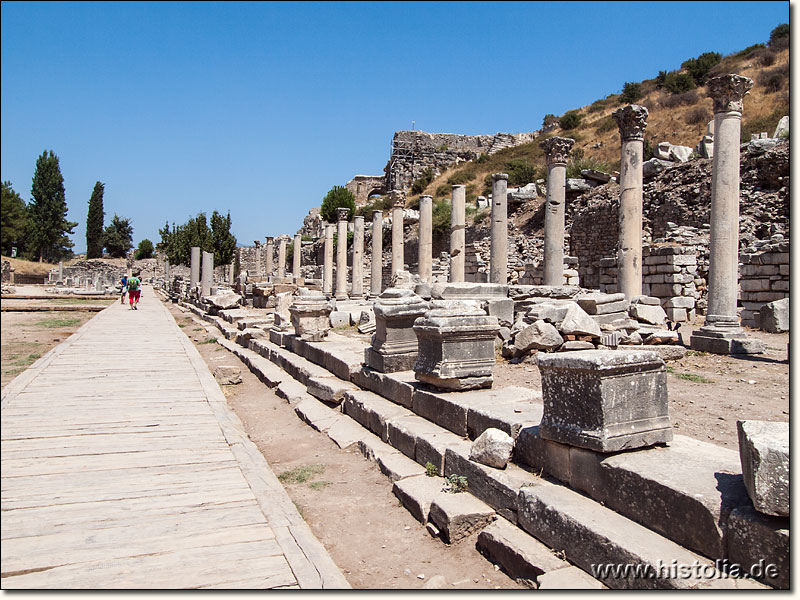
x=498 y=268
x=457 y=233
x=632 y=121
x=270 y=256
x=310 y=313
x=556 y=151
x=456 y=347
x=605 y=400
x=194 y=268
x=376 y=280
x=398 y=249
x=357 y=289
x=297 y=256
x=722 y=333
x=341 y=253
x=426 y=238
x=394 y=345
x=327 y=268
x=764 y=454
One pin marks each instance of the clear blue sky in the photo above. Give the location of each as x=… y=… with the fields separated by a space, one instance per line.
x=260 y=108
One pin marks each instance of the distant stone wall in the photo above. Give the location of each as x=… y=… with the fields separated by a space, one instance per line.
x=363 y=186
x=763 y=277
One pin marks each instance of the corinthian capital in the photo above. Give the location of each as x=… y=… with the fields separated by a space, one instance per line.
x=631 y=120
x=556 y=150
x=342 y=213
x=727 y=92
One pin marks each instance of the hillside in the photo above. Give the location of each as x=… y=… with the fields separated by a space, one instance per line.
x=679 y=118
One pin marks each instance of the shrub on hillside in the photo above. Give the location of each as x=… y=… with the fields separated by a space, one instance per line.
x=773 y=80
x=699 y=67
x=685 y=99
x=678 y=83
x=521 y=171
x=579 y=162
x=605 y=124
x=441 y=217
x=698 y=115
x=749 y=50
x=764 y=57
x=779 y=37
x=459 y=178
x=631 y=92
x=549 y=121
x=421 y=182
x=570 y=120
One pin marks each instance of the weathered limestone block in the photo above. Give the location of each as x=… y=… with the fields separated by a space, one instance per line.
x=577 y=322
x=775 y=316
x=394 y=345
x=310 y=316
x=224 y=301
x=539 y=336
x=492 y=448
x=459 y=515
x=655 y=315
x=764 y=451
x=228 y=375
x=605 y=400
x=469 y=291
x=456 y=347
x=759 y=545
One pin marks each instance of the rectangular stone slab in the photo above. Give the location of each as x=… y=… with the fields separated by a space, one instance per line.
x=459 y=515
x=418 y=493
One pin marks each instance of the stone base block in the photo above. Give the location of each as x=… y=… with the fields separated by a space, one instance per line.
x=764 y=452
x=759 y=545
x=459 y=515
x=725 y=342
x=398 y=387
x=417 y=494
x=389 y=363
x=456 y=384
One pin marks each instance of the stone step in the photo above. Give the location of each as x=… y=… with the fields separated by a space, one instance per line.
x=340 y=355
x=298 y=367
x=330 y=390
x=269 y=374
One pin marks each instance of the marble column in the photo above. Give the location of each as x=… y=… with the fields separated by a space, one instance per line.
x=341 y=253
x=167 y=282
x=258 y=259
x=270 y=255
x=297 y=256
x=457 y=233
x=376 y=281
x=556 y=151
x=327 y=269
x=282 y=256
x=722 y=332
x=426 y=238
x=60 y=271
x=357 y=290
x=207 y=274
x=498 y=269
x=194 y=268
x=398 y=249
x=632 y=121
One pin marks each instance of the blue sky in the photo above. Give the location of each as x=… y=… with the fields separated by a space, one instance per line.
x=260 y=108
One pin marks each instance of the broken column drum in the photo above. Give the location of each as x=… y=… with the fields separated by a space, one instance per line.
x=357 y=288
x=556 y=151
x=457 y=233
x=194 y=268
x=310 y=314
x=722 y=333
x=341 y=253
x=498 y=268
x=456 y=347
x=376 y=279
x=426 y=238
x=394 y=344
x=282 y=256
x=297 y=255
x=398 y=251
x=327 y=268
x=605 y=400
x=632 y=121
x=270 y=255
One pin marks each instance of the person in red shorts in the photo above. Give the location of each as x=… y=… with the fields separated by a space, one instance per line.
x=134 y=285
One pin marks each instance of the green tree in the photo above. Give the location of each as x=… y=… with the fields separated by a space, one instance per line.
x=47 y=224
x=223 y=241
x=570 y=120
x=13 y=220
x=699 y=67
x=549 y=120
x=779 y=37
x=337 y=197
x=677 y=83
x=94 y=223
x=118 y=237
x=631 y=92
x=144 y=250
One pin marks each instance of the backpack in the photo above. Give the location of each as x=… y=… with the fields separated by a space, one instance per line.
x=133 y=284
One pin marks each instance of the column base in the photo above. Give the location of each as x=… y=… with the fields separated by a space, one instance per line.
x=389 y=363
x=725 y=340
x=342 y=297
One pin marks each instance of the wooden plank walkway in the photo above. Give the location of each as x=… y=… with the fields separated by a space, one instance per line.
x=124 y=468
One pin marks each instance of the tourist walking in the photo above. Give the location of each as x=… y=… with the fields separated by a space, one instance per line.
x=124 y=282
x=133 y=290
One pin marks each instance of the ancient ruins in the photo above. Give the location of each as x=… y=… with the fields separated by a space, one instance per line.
x=594 y=304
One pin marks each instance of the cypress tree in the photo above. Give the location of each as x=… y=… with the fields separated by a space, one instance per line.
x=48 y=225
x=94 y=223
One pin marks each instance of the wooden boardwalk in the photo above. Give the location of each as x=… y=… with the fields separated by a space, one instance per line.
x=124 y=468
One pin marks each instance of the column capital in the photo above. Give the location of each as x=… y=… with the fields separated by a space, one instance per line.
x=398 y=203
x=556 y=150
x=342 y=213
x=631 y=120
x=727 y=92
x=270 y=240
x=499 y=176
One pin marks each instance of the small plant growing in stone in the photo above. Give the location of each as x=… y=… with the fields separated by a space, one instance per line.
x=455 y=484
x=431 y=470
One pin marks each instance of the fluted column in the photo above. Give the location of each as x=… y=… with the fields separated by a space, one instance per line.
x=498 y=270
x=270 y=255
x=722 y=332
x=327 y=269
x=297 y=256
x=376 y=281
x=556 y=151
x=357 y=289
x=194 y=268
x=282 y=256
x=632 y=121
x=426 y=238
x=457 y=233
x=341 y=253
x=398 y=249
